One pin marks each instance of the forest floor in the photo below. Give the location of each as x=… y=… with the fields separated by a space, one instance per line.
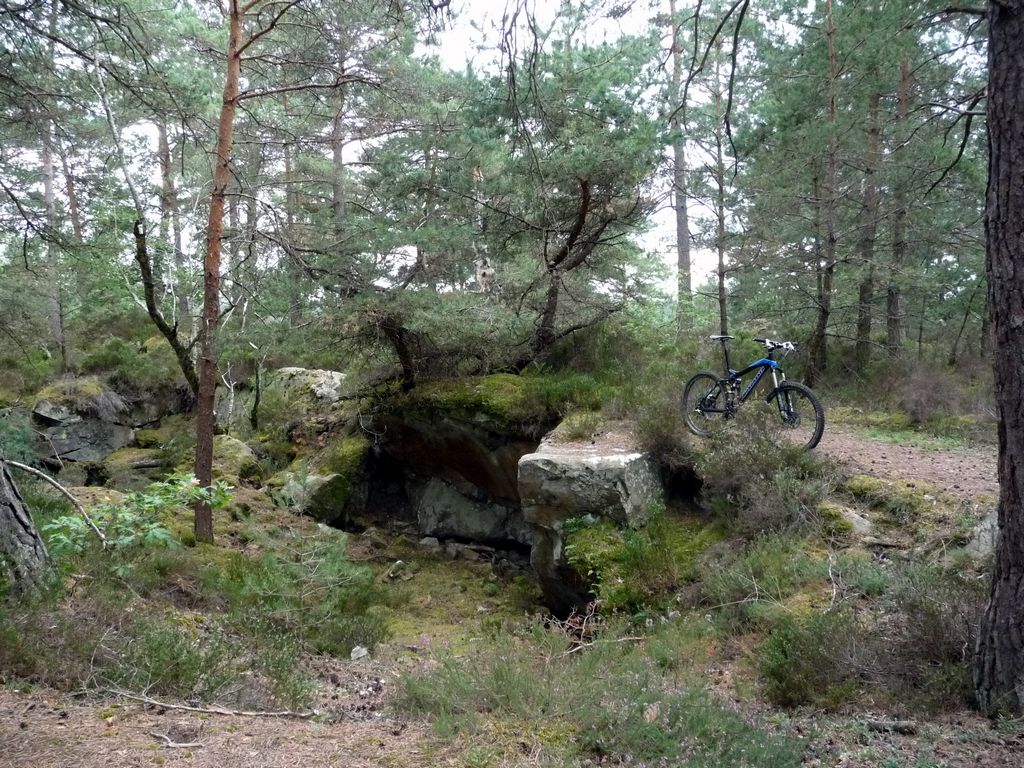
x=966 y=473
x=357 y=725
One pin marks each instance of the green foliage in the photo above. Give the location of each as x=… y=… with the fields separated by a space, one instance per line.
x=807 y=660
x=607 y=702
x=17 y=438
x=911 y=642
x=756 y=586
x=635 y=570
x=317 y=595
x=139 y=522
x=758 y=485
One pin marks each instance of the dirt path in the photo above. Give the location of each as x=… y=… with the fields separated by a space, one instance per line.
x=966 y=474
x=54 y=730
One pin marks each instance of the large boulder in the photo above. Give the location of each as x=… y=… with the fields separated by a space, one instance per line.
x=470 y=433
x=82 y=420
x=443 y=511
x=607 y=476
x=233 y=460
x=330 y=486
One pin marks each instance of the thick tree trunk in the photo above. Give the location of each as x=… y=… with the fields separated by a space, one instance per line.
x=869 y=230
x=999 y=660
x=684 y=283
x=23 y=558
x=205 y=414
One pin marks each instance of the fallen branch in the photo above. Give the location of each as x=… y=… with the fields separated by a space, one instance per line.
x=170 y=744
x=904 y=727
x=78 y=505
x=212 y=710
x=580 y=646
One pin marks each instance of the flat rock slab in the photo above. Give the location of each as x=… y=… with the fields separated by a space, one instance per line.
x=606 y=475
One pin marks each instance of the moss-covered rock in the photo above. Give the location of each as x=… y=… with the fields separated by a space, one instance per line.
x=132 y=469
x=502 y=402
x=903 y=500
x=66 y=399
x=233 y=460
x=331 y=499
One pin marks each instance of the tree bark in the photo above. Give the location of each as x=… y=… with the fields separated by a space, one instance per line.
x=894 y=311
x=23 y=558
x=205 y=414
x=818 y=351
x=869 y=230
x=684 y=283
x=999 y=658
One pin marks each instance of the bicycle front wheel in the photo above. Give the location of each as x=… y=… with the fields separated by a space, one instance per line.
x=704 y=404
x=800 y=413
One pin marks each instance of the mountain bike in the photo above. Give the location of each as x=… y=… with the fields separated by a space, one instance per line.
x=710 y=400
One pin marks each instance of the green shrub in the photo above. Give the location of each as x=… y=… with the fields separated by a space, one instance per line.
x=754 y=587
x=757 y=485
x=17 y=438
x=316 y=593
x=607 y=703
x=637 y=569
x=139 y=522
x=805 y=661
x=195 y=663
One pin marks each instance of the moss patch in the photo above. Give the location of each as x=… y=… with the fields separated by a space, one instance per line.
x=344 y=457
x=131 y=468
x=903 y=500
x=833 y=520
x=503 y=401
x=233 y=460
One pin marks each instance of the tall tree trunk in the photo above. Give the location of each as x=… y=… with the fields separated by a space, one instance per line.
x=894 y=311
x=684 y=283
x=999 y=659
x=71 y=192
x=205 y=414
x=170 y=218
x=818 y=352
x=23 y=557
x=294 y=289
x=869 y=230
x=719 y=177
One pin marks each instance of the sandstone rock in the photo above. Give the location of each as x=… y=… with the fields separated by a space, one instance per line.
x=441 y=510
x=604 y=477
x=986 y=534
x=233 y=460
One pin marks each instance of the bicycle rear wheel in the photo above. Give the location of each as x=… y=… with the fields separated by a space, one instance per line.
x=704 y=404
x=800 y=414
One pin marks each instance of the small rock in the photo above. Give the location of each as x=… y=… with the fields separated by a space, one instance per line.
x=453 y=550
x=359 y=652
x=430 y=544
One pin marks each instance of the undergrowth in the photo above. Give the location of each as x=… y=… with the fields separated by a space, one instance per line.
x=199 y=623
x=611 y=702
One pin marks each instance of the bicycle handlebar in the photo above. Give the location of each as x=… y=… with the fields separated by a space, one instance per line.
x=789 y=346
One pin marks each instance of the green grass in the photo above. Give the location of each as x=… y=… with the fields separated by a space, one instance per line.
x=608 y=702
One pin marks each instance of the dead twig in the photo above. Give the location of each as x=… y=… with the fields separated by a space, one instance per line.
x=212 y=710
x=170 y=744
x=78 y=505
